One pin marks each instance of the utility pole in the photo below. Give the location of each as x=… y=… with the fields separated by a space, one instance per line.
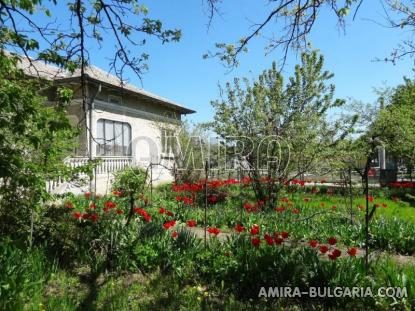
x=92 y=177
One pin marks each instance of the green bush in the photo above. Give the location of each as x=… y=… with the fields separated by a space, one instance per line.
x=131 y=181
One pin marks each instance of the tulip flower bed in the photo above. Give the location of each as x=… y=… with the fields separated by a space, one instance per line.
x=308 y=237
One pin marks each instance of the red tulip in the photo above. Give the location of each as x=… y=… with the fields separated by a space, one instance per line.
x=110 y=204
x=214 y=231
x=142 y=213
x=213 y=199
x=254 y=230
x=255 y=242
x=335 y=254
x=94 y=217
x=187 y=200
x=284 y=234
x=68 y=205
x=278 y=240
x=280 y=209
x=174 y=234
x=162 y=210
x=323 y=249
x=268 y=239
x=313 y=243
x=169 y=224
x=352 y=251
x=191 y=223
x=332 y=241
x=117 y=193
x=77 y=215
x=239 y=228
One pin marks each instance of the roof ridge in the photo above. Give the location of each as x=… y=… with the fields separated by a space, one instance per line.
x=51 y=72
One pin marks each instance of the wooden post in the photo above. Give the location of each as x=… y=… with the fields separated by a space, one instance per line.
x=151 y=183
x=174 y=172
x=240 y=194
x=351 y=195
x=366 y=177
x=206 y=199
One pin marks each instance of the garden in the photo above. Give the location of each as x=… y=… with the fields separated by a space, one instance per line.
x=211 y=245
x=285 y=195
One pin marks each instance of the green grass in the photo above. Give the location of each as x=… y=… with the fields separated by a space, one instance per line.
x=68 y=290
x=399 y=209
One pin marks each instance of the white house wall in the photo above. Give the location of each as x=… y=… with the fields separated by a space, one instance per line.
x=146 y=137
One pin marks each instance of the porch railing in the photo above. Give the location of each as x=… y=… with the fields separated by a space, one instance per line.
x=106 y=165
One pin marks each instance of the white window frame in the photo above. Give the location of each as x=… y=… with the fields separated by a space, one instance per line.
x=124 y=136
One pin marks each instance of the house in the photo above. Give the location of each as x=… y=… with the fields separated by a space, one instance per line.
x=383 y=168
x=123 y=125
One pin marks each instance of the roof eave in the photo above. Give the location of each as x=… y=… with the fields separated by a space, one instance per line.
x=183 y=110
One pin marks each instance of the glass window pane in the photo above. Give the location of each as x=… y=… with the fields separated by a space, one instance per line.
x=127 y=139
x=100 y=137
x=113 y=138
x=109 y=137
x=118 y=145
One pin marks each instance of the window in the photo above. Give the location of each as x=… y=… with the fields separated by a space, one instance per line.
x=167 y=141
x=114 y=100
x=114 y=138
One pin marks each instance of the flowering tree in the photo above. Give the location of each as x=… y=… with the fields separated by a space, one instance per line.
x=283 y=128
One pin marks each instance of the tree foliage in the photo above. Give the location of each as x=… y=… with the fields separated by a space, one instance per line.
x=34 y=139
x=284 y=128
x=395 y=123
x=90 y=24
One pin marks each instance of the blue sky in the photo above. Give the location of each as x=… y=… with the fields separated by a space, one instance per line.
x=178 y=72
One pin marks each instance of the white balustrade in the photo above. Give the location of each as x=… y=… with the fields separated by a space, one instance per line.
x=106 y=164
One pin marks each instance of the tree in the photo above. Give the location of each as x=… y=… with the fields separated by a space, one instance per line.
x=34 y=139
x=292 y=22
x=395 y=124
x=284 y=129
x=90 y=23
